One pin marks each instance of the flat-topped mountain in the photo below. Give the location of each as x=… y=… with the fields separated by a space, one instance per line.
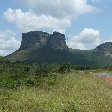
x=42 y=47
x=43 y=39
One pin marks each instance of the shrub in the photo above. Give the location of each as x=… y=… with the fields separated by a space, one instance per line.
x=43 y=70
x=65 y=68
x=30 y=82
x=27 y=70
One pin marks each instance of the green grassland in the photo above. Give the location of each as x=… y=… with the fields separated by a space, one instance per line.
x=41 y=89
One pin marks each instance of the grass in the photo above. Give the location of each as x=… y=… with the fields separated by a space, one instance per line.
x=70 y=92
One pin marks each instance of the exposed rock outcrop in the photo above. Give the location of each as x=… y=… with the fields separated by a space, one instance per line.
x=39 y=39
x=33 y=38
x=105 y=48
x=57 y=41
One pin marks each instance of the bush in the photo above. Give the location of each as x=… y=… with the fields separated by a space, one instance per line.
x=30 y=82
x=27 y=70
x=65 y=68
x=43 y=70
x=10 y=84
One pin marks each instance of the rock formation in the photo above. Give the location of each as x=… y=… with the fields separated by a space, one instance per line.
x=39 y=39
x=33 y=38
x=105 y=48
x=57 y=41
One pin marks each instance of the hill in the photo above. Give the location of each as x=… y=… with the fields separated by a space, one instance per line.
x=42 y=47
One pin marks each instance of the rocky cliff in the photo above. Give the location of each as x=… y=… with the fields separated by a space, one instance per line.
x=39 y=39
x=33 y=38
x=57 y=41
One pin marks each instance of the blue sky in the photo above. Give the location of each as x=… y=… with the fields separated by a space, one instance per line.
x=86 y=23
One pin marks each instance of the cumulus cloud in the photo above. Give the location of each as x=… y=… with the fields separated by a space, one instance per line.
x=27 y=21
x=8 y=43
x=59 y=8
x=52 y=15
x=85 y=38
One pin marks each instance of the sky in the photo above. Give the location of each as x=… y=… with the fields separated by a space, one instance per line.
x=86 y=23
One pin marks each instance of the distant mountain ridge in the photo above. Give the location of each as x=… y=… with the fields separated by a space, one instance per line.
x=42 y=47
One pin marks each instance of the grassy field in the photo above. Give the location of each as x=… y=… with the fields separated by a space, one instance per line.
x=76 y=91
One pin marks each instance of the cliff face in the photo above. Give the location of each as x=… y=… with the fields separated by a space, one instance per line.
x=39 y=39
x=33 y=38
x=57 y=41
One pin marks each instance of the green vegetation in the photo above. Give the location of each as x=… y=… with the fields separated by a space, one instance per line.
x=52 y=88
x=57 y=56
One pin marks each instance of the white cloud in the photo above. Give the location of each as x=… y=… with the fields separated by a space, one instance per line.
x=27 y=21
x=8 y=43
x=51 y=14
x=87 y=37
x=59 y=8
x=5 y=52
x=72 y=43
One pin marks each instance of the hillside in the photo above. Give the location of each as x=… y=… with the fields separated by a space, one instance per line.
x=42 y=47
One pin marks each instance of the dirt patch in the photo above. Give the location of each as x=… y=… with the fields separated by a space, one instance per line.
x=107 y=77
x=108 y=80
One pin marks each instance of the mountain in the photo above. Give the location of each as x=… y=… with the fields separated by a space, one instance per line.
x=39 y=39
x=42 y=47
x=105 y=48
